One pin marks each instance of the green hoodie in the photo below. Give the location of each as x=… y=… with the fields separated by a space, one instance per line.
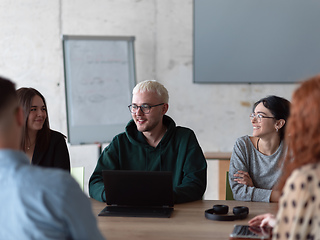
x=178 y=152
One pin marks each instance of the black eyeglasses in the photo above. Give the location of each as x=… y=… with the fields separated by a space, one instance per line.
x=258 y=117
x=145 y=108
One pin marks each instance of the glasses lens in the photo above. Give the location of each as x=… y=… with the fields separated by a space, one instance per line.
x=133 y=108
x=145 y=108
x=258 y=117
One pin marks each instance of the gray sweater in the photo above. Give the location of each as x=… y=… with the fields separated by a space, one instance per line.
x=263 y=170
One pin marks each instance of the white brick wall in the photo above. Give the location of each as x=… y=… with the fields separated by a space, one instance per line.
x=31 y=55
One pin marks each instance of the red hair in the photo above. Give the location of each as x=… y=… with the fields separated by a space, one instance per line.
x=303 y=129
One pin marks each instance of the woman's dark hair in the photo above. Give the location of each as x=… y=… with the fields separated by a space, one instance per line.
x=25 y=96
x=279 y=108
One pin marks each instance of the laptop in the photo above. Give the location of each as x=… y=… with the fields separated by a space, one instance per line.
x=131 y=193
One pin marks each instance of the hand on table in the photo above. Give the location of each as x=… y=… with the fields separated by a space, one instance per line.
x=263 y=220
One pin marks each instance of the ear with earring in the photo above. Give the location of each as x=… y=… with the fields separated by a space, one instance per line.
x=277 y=129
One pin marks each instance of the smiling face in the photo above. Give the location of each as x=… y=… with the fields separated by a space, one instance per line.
x=37 y=114
x=267 y=126
x=152 y=121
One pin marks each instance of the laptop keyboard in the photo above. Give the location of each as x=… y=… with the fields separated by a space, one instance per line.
x=136 y=211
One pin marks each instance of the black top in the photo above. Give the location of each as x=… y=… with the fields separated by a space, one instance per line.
x=56 y=155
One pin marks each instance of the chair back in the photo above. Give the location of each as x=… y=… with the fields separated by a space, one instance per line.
x=78 y=174
x=229 y=195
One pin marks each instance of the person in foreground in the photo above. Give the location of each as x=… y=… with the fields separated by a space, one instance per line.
x=36 y=203
x=153 y=142
x=254 y=164
x=298 y=215
x=43 y=146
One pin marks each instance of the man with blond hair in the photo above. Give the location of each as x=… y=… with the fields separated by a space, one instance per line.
x=36 y=203
x=153 y=142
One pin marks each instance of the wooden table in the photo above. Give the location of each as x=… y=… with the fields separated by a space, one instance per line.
x=187 y=222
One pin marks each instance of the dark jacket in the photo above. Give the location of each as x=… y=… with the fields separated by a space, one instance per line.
x=56 y=155
x=178 y=152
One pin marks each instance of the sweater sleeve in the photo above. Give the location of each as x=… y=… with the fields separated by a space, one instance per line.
x=194 y=179
x=107 y=160
x=240 y=162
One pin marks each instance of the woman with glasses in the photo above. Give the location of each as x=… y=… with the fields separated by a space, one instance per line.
x=298 y=216
x=43 y=146
x=254 y=164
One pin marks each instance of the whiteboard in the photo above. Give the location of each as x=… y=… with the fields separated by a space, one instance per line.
x=99 y=78
x=250 y=41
